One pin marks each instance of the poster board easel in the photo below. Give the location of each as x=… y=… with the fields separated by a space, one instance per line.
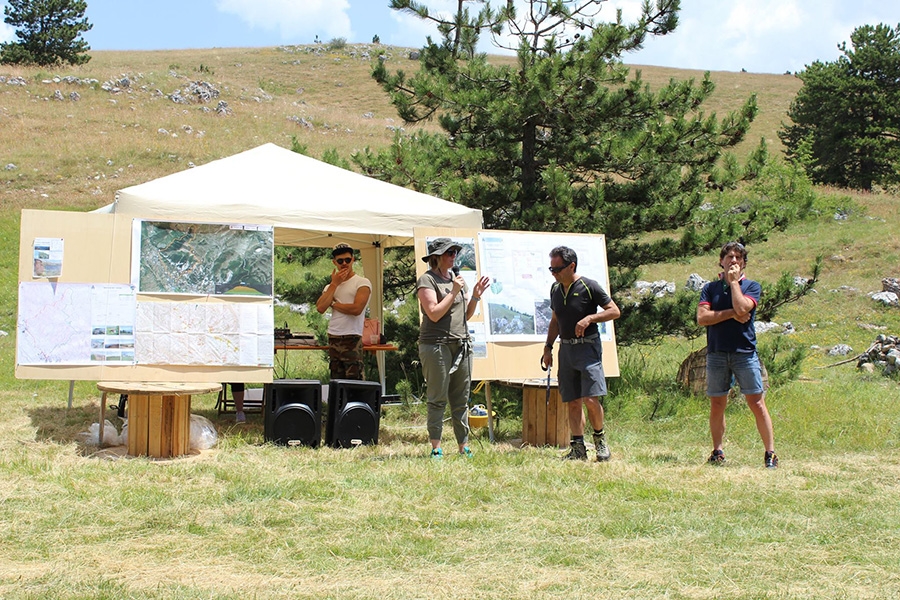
x=520 y=360
x=98 y=251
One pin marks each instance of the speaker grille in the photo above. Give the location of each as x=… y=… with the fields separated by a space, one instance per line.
x=295 y=424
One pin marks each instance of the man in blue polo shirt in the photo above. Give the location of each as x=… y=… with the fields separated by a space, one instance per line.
x=574 y=300
x=727 y=309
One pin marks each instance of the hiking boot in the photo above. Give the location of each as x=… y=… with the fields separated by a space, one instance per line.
x=437 y=454
x=600 y=444
x=577 y=451
x=716 y=458
x=771 y=460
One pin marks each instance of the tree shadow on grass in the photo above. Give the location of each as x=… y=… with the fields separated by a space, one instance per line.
x=64 y=425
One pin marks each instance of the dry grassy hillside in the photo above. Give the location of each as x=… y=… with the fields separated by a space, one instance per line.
x=77 y=153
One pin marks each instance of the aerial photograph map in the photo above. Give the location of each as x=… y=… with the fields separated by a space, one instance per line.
x=204 y=259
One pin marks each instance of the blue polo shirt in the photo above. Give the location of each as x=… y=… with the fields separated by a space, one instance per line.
x=581 y=300
x=730 y=335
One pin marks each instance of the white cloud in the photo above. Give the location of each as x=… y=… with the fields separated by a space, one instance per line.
x=411 y=31
x=753 y=28
x=7 y=33
x=749 y=20
x=293 y=18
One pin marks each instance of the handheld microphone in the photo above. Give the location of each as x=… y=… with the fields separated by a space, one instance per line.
x=455 y=270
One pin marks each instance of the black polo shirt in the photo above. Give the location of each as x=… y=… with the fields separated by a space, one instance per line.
x=582 y=299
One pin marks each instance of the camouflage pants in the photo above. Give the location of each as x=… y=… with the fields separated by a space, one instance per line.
x=346 y=355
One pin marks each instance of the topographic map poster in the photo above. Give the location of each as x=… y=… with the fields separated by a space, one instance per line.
x=75 y=323
x=518 y=300
x=211 y=334
x=202 y=259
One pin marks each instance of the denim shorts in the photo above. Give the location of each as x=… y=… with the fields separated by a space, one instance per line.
x=723 y=368
x=580 y=371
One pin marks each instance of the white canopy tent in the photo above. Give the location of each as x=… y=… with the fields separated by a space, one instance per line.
x=310 y=203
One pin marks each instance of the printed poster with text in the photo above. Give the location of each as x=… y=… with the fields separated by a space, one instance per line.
x=518 y=300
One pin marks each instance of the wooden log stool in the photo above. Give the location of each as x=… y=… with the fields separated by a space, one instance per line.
x=159 y=415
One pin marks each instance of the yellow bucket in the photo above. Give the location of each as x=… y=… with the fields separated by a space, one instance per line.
x=476 y=420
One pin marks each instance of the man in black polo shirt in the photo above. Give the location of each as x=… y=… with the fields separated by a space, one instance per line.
x=574 y=300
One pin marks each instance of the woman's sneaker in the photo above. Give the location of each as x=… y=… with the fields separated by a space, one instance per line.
x=771 y=460
x=716 y=458
x=437 y=454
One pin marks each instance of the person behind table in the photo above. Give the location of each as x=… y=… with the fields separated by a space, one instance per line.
x=347 y=295
x=574 y=300
x=445 y=350
x=727 y=309
x=237 y=393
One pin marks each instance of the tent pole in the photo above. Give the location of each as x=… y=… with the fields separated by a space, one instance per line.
x=373 y=268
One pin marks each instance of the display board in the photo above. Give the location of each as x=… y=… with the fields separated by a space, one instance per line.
x=202 y=312
x=510 y=327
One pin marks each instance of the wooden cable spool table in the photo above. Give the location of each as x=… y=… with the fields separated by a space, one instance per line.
x=159 y=415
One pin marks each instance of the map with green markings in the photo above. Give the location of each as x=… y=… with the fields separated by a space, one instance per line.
x=203 y=259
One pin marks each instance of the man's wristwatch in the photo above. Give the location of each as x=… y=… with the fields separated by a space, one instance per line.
x=548 y=346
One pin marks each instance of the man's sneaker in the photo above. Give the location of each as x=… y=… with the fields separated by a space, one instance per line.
x=716 y=458
x=437 y=454
x=602 y=448
x=466 y=452
x=771 y=460
x=240 y=417
x=577 y=451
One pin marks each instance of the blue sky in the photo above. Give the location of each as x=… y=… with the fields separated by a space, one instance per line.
x=765 y=36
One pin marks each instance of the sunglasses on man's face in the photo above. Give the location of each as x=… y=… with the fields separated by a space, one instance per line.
x=343 y=261
x=559 y=269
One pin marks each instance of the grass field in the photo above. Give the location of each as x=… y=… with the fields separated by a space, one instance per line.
x=249 y=520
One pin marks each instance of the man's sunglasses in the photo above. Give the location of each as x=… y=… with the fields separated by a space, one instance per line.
x=343 y=261
x=558 y=269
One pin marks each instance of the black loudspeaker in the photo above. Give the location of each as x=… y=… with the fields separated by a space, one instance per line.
x=292 y=413
x=354 y=413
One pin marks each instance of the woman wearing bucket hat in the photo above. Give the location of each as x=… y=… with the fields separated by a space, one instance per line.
x=445 y=349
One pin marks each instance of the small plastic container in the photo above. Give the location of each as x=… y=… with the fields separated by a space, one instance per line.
x=478 y=416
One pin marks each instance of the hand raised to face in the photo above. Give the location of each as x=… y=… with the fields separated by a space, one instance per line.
x=339 y=276
x=733 y=273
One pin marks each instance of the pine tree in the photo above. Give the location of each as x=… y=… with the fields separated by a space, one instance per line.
x=561 y=139
x=48 y=32
x=846 y=118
